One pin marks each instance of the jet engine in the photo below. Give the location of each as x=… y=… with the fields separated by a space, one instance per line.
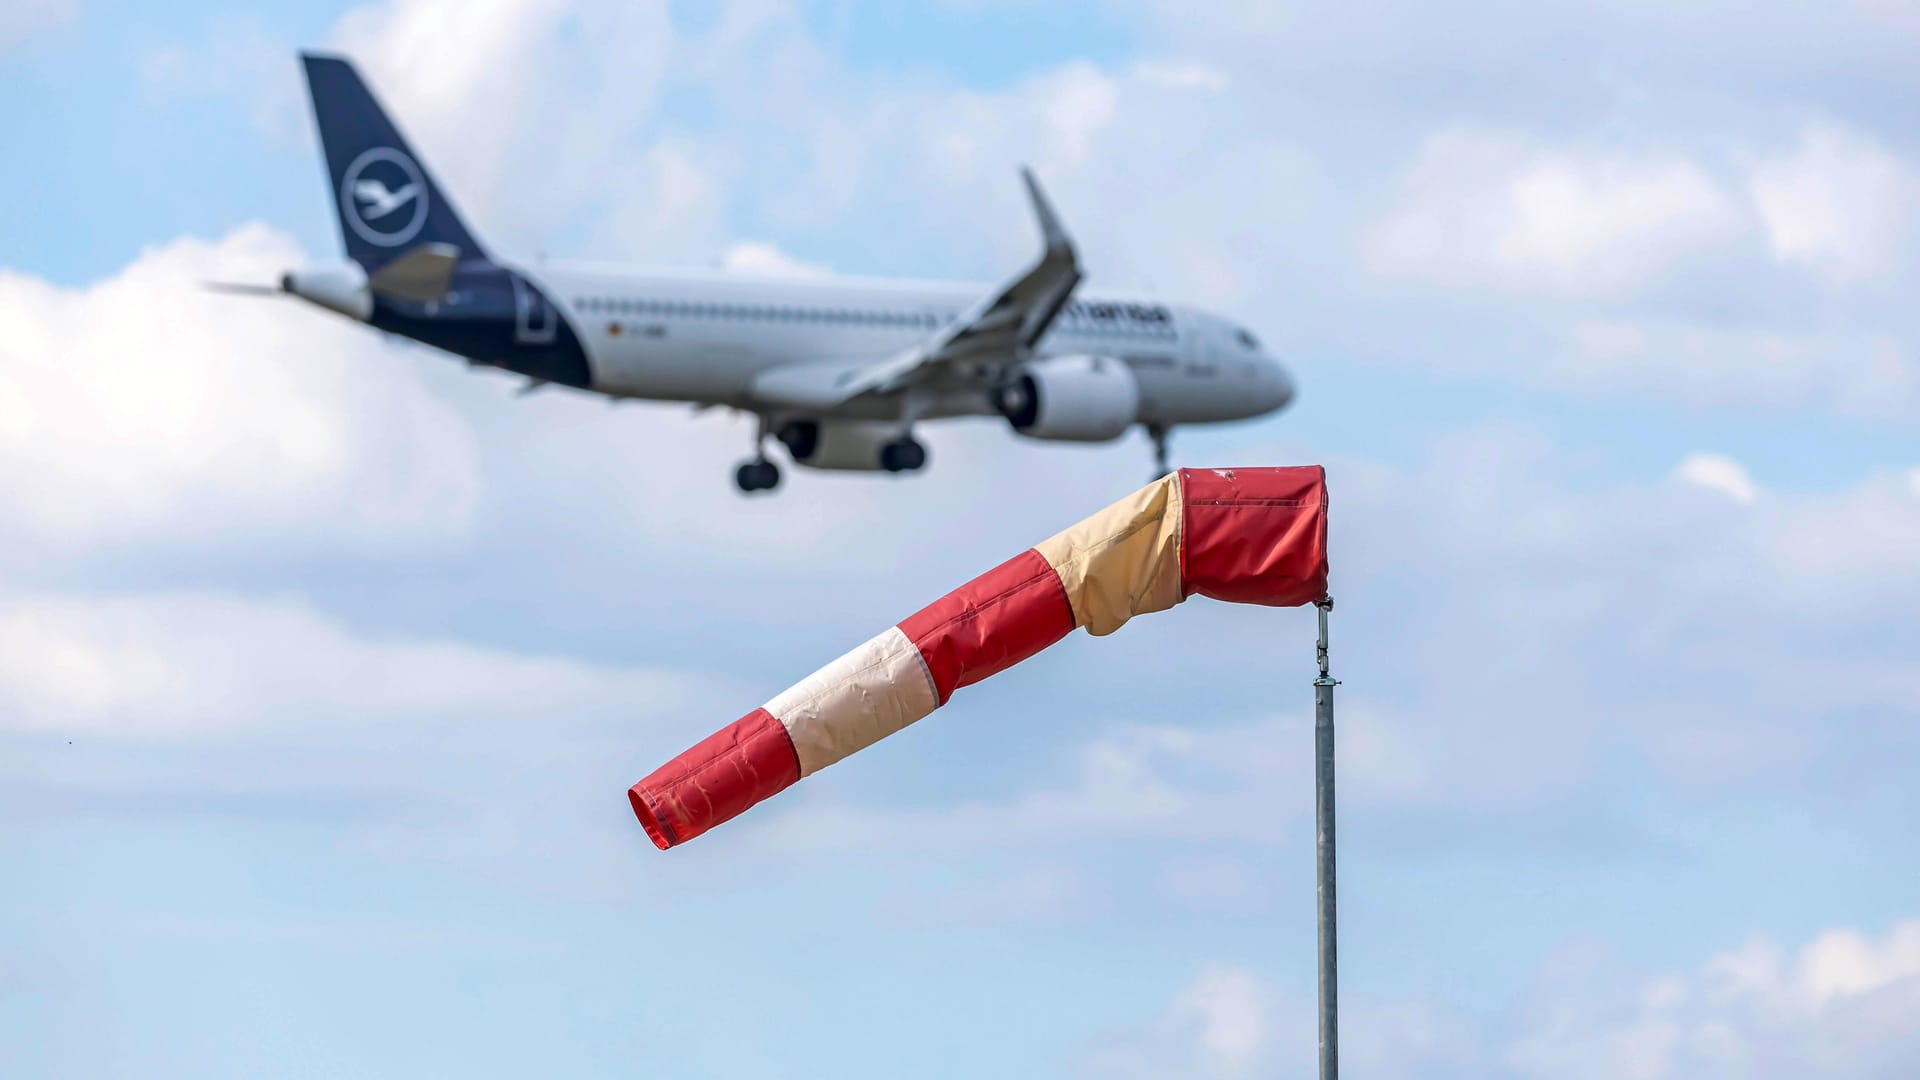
x=860 y=445
x=1070 y=398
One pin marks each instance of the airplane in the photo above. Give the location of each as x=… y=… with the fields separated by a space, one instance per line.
x=838 y=370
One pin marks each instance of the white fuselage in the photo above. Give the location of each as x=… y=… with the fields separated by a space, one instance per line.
x=717 y=337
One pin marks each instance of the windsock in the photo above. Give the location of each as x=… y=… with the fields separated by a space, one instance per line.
x=1249 y=536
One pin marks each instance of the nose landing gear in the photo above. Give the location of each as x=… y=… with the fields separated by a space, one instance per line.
x=1159 y=433
x=756 y=475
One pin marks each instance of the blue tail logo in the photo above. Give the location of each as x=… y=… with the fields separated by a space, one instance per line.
x=376 y=192
x=386 y=196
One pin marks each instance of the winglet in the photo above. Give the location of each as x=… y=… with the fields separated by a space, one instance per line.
x=1050 y=230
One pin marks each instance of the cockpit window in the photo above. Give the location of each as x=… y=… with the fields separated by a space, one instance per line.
x=1246 y=340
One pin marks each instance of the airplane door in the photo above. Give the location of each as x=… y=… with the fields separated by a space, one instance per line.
x=535 y=322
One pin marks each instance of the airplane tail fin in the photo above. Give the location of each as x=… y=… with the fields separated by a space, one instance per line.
x=387 y=202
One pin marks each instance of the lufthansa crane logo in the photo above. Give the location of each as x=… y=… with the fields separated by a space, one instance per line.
x=383 y=197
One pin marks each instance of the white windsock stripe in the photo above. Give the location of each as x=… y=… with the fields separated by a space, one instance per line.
x=854 y=702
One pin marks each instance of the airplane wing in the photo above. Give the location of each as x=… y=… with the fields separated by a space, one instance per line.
x=1003 y=325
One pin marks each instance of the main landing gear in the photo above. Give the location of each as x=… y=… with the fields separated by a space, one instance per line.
x=758 y=473
x=1159 y=433
x=904 y=454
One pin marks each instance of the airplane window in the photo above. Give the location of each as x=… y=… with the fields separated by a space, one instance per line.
x=1246 y=340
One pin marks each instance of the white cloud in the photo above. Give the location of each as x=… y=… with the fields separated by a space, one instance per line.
x=1219 y=1025
x=1717 y=472
x=1078 y=103
x=1851 y=372
x=144 y=407
x=1844 y=1005
x=1479 y=209
x=1224 y=1007
x=22 y=19
x=1568 y=213
x=181 y=665
x=1841 y=964
x=564 y=92
x=1839 y=202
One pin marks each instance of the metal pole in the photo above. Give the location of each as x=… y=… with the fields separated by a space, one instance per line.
x=1323 y=851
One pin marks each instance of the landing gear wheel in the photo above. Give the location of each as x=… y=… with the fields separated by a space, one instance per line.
x=757 y=475
x=904 y=454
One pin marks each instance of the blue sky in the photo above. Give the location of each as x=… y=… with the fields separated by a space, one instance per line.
x=324 y=663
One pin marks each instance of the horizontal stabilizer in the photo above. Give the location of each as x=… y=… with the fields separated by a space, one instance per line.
x=243 y=288
x=423 y=274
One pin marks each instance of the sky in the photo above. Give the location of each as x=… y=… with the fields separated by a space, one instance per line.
x=325 y=663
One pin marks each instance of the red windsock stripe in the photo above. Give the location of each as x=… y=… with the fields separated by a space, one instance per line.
x=719 y=777
x=1254 y=536
x=991 y=623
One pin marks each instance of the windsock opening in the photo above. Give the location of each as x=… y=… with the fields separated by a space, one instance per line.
x=1248 y=536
